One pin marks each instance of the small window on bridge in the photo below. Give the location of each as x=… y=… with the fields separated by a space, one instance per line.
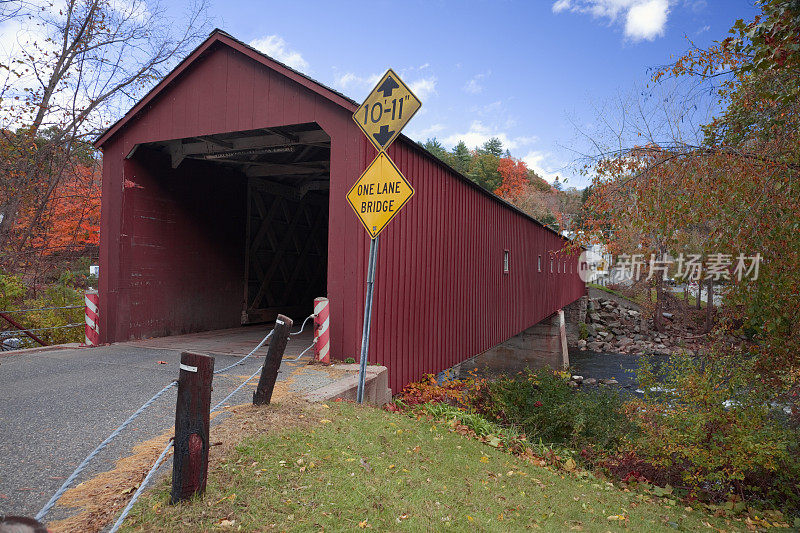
x=506 y=261
x=551 y=266
x=539 y=266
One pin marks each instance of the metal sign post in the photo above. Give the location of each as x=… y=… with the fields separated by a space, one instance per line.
x=382 y=190
x=362 y=371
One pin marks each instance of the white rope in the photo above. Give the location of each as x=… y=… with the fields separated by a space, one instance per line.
x=243 y=359
x=303 y=352
x=218 y=406
x=139 y=491
x=312 y=315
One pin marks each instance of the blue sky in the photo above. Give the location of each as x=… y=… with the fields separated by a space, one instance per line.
x=531 y=73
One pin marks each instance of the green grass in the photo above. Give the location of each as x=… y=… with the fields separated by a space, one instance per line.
x=606 y=289
x=363 y=467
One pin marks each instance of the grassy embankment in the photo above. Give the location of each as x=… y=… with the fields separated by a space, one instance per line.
x=340 y=467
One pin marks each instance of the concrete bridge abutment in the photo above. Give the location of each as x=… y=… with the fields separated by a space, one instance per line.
x=542 y=345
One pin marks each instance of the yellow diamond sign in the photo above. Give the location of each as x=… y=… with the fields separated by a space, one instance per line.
x=379 y=194
x=387 y=109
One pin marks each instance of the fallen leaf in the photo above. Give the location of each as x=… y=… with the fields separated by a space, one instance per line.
x=325 y=421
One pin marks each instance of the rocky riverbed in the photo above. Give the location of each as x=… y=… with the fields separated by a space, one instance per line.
x=612 y=327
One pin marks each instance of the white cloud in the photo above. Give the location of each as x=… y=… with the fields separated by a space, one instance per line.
x=561 y=5
x=478 y=133
x=358 y=87
x=349 y=80
x=423 y=87
x=492 y=108
x=538 y=162
x=647 y=20
x=426 y=133
x=135 y=10
x=473 y=86
x=274 y=46
x=644 y=19
x=696 y=5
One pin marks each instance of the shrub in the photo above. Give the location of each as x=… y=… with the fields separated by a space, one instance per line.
x=486 y=430
x=11 y=290
x=68 y=291
x=457 y=392
x=717 y=425
x=547 y=409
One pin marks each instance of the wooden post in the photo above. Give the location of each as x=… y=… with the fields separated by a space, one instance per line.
x=269 y=372
x=20 y=524
x=710 y=305
x=190 y=464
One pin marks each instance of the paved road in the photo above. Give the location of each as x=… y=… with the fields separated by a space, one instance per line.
x=57 y=406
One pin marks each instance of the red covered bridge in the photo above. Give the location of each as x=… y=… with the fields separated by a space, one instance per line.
x=224 y=204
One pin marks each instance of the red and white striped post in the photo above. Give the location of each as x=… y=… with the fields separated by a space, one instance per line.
x=92 y=318
x=322 y=334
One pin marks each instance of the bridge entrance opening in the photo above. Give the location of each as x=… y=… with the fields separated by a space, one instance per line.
x=247 y=213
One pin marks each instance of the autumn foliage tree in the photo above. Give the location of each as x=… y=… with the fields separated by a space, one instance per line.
x=732 y=190
x=515 y=178
x=74 y=66
x=511 y=179
x=71 y=220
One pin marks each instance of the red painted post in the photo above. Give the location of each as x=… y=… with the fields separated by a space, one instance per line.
x=92 y=318
x=190 y=464
x=322 y=334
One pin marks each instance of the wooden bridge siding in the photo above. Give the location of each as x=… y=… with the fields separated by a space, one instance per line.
x=440 y=293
